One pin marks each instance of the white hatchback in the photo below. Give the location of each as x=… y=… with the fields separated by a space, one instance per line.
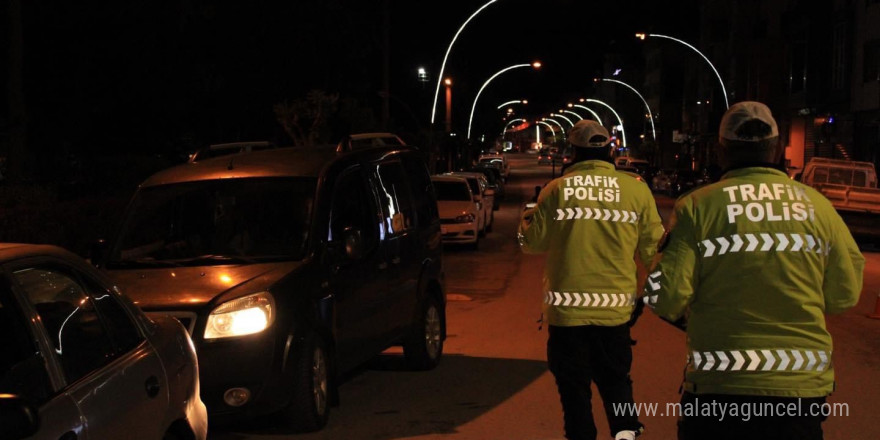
x=460 y=219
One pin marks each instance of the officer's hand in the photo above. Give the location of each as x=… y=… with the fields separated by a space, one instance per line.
x=527 y=213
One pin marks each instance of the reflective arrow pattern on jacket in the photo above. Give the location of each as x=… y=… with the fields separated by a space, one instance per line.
x=575 y=299
x=613 y=215
x=761 y=360
x=778 y=242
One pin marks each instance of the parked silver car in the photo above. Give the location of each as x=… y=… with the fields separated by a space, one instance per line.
x=78 y=360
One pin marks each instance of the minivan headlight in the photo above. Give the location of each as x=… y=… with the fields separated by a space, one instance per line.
x=243 y=316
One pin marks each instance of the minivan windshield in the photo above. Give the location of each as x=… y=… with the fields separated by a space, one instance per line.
x=214 y=222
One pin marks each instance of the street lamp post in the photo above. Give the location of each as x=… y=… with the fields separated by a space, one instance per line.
x=548 y=126
x=592 y=112
x=515 y=101
x=642 y=36
x=573 y=113
x=553 y=115
x=448 y=83
x=557 y=123
x=650 y=115
x=445 y=57
x=535 y=64
x=511 y=122
x=619 y=121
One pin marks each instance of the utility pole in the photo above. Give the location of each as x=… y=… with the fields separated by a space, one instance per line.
x=386 y=63
x=17 y=163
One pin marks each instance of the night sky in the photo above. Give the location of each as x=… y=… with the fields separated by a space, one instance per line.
x=171 y=76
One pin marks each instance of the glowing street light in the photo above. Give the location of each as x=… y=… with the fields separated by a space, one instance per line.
x=553 y=115
x=592 y=112
x=536 y=65
x=650 y=116
x=548 y=126
x=575 y=114
x=515 y=101
x=642 y=36
x=555 y=122
x=619 y=121
x=445 y=57
x=509 y=123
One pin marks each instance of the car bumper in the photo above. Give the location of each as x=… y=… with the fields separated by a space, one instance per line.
x=459 y=232
x=249 y=362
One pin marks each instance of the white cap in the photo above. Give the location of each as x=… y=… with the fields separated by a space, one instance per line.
x=588 y=133
x=742 y=112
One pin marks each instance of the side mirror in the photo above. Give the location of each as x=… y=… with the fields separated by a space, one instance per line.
x=354 y=243
x=18 y=418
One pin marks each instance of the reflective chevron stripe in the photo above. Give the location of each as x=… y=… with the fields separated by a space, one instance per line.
x=575 y=299
x=612 y=215
x=764 y=242
x=652 y=284
x=760 y=360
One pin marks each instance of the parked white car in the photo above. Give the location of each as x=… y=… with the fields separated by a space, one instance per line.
x=483 y=196
x=460 y=220
x=78 y=359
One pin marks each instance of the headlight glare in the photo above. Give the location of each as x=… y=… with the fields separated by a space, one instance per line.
x=243 y=316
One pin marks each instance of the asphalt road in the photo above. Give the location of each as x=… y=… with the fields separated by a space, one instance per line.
x=493 y=382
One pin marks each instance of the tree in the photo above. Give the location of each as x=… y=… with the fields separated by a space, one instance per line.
x=306 y=120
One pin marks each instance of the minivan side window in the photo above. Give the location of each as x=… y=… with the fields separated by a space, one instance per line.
x=352 y=208
x=396 y=198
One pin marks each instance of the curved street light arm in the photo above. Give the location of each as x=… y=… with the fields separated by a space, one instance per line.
x=515 y=101
x=474 y=106
x=445 y=57
x=619 y=121
x=511 y=122
x=575 y=114
x=596 y=115
x=563 y=117
x=548 y=126
x=557 y=123
x=650 y=115
x=720 y=81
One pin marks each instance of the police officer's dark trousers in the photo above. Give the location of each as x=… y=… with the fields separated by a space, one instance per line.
x=580 y=355
x=753 y=418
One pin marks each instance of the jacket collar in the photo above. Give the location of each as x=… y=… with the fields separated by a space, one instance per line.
x=589 y=165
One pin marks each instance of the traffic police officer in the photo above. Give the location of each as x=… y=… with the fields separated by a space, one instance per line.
x=592 y=222
x=751 y=265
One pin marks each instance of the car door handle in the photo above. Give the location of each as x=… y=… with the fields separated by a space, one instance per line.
x=152 y=386
x=395 y=260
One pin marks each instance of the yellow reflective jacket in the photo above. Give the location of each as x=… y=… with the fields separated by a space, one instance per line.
x=591 y=222
x=755 y=261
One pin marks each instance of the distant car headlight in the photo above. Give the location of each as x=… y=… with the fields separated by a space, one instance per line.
x=243 y=316
x=467 y=218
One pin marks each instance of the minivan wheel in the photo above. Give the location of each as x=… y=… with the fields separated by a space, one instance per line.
x=309 y=407
x=423 y=348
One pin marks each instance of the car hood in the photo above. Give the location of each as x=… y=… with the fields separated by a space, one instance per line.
x=452 y=209
x=179 y=288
